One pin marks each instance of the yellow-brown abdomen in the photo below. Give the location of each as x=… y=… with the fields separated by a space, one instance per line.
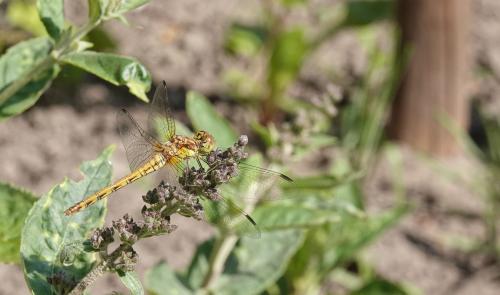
x=156 y=162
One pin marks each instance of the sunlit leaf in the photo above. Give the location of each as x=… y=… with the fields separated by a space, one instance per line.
x=107 y=9
x=14 y=64
x=24 y=15
x=52 y=16
x=118 y=70
x=203 y=116
x=128 y=5
x=14 y=206
x=131 y=281
x=51 y=242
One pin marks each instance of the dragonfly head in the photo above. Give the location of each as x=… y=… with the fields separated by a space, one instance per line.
x=205 y=142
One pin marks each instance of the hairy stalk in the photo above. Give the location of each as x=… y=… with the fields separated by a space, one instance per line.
x=89 y=279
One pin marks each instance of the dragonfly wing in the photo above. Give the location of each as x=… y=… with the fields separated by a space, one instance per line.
x=160 y=116
x=249 y=168
x=138 y=144
x=254 y=184
x=231 y=217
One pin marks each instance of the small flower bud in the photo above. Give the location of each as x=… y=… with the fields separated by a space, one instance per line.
x=243 y=140
x=101 y=238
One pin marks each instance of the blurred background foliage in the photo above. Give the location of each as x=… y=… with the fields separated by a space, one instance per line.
x=314 y=229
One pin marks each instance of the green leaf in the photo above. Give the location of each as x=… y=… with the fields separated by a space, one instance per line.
x=15 y=64
x=115 y=69
x=14 y=206
x=286 y=59
x=162 y=280
x=355 y=233
x=380 y=286
x=255 y=264
x=128 y=5
x=24 y=15
x=96 y=10
x=107 y=9
x=245 y=40
x=52 y=16
x=203 y=116
x=317 y=182
x=278 y=217
x=198 y=267
x=242 y=86
x=51 y=242
x=368 y=11
x=293 y=2
x=132 y=282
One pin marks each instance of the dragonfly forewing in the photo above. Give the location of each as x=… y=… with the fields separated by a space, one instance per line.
x=160 y=116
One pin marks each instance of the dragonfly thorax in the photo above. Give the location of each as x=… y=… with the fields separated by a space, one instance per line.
x=181 y=147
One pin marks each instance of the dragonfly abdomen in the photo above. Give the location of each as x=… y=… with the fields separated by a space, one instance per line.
x=156 y=162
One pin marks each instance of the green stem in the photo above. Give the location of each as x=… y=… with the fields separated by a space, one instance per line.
x=223 y=247
x=45 y=63
x=218 y=257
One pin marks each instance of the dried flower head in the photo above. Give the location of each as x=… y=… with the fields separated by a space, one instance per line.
x=222 y=166
x=101 y=238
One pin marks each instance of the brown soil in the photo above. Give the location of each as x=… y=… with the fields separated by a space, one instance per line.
x=180 y=41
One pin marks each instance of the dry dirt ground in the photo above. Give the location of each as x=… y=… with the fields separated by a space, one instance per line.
x=180 y=41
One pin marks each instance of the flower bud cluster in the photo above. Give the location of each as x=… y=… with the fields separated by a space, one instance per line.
x=222 y=166
x=162 y=202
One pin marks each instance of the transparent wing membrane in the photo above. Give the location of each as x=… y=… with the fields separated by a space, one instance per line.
x=231 y=217
x=259 y=170
x=139 y=145
x=160 y=116
x=251 y=185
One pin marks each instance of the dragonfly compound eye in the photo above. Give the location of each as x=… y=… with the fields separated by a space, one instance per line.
x=206 y=142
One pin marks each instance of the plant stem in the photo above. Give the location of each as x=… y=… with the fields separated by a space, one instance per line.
x=218 y=257
x=89 y=279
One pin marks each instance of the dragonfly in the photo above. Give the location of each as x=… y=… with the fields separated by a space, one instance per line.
x=147 y=153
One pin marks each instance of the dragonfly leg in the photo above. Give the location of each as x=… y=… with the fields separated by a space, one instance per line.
x=199 y=162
